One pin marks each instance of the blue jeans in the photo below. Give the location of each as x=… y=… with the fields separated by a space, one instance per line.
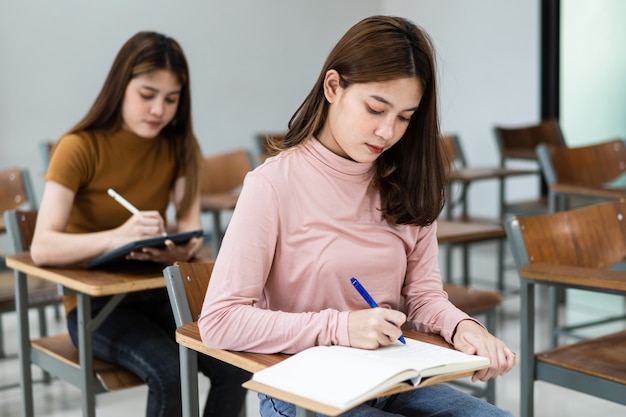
x=139 y=335
x=436 y=400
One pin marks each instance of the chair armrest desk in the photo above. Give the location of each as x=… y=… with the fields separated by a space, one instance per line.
x=114 y=281
x=188 y=337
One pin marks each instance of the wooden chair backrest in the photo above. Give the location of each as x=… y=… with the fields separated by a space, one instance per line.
x=195 y=277
x=14 y=189
x=512 y=140
x=46 y=148
x=21 y=227
x=224 y=172
x=452 y=152
x=591 y=165
x=264 y=140
x=592 y=237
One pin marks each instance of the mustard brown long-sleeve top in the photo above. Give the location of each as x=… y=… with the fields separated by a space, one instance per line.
x=142 y=170
x=306 y=222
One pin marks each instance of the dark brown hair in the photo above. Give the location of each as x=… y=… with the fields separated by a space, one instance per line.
x=411 y=175
x=143 y=53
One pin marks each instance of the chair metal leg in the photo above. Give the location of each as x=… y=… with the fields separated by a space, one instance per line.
x=217 y=232
x=527 y=357
x=43 y=332
x=491 y=323
x=23 y=333
x=553 y=315
x=500 y=266
x=85 y=353
x=466 y=268
x=3 y=353
x=448 y=263
x=189 y=381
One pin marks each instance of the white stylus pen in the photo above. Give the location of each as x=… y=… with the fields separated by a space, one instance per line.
x=122 y=201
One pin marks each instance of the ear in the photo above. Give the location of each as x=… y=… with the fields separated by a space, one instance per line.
x=331 y=85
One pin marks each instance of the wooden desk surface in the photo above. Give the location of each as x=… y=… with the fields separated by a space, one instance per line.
x=471 y=174
x=188 y=335
x=523 y=153
x=602 y=279
x=601 y=192
x=128 y=277
x=450 y=231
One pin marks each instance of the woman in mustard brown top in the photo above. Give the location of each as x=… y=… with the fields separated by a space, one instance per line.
x=138 y=139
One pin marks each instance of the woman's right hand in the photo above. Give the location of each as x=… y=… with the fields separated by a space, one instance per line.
x=142 y=225
x=374 y=327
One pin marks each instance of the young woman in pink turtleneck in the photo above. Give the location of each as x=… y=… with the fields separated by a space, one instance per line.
x=354 y=191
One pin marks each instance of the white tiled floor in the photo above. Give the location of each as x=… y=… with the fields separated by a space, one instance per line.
x=60 y=399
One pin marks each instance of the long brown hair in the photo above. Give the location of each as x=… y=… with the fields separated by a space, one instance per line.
x=411 y=175
x=143 y=53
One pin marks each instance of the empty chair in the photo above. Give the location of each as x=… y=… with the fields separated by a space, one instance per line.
x=576 y=177
x=45 y=149
x=263 y=144
x=460 y=178
x=220 y=182
x=519 y=143
x=592 y=172
x=16 y=191
x=571 y=249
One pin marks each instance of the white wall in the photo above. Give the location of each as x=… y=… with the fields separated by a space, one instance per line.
x=489 y=65
x=252 y=62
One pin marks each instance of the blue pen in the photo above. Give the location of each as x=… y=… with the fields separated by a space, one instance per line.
x=368 y=298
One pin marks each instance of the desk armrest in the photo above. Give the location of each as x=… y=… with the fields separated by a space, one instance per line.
x=587 y=278
x=472 y=174
x=602 y=192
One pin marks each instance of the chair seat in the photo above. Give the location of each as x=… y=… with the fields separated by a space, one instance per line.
x=471 y=300
x=219 y=201
x=600 y=357
x=111 y=376
x=536 y=206
x=461 y=231
x=40 y=293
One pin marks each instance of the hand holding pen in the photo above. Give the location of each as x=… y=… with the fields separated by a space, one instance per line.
x=370 y=301
x=131 y=208
x=167 y=255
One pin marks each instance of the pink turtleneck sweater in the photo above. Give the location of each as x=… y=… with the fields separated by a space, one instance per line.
x=306 y=222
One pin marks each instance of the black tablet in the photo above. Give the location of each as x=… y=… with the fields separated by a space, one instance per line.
x=119 y=254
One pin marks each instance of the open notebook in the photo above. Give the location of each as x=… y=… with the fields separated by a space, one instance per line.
x=343 y=377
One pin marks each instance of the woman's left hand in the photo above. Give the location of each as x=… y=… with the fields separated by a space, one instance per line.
x=170 y=254
x=472 y=338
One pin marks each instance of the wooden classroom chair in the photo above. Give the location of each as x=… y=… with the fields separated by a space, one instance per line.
x=518 y=143
x=571 y=249
x=221 y=179
x=579 y=176
x=46 y=147
x=460 y=177
x=17 y=192
x=584 y=172
x=263 y=140
x=57 y=354
x=187 y=284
